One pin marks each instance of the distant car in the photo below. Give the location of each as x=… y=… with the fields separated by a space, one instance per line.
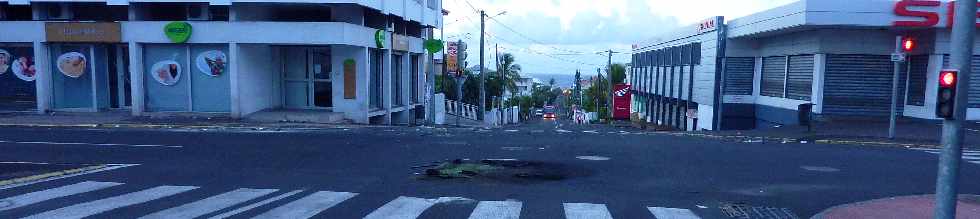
x=549 y=113
x=539 y=112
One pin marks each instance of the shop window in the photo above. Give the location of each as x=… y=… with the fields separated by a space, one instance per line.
x=773 y=76
x=415 y=78
x=376 y=79
x=15 y=12
x=918 y=66
x=397 y=79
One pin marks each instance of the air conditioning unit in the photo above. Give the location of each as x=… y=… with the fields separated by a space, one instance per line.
x=59 y=11
x=198 y=12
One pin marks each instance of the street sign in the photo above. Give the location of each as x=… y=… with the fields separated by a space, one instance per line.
x=452 y=53
x=898 y=57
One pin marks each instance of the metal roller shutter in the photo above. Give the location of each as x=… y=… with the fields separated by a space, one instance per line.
x=739 y=73
x=918 y=66
x=859 y=85
x=799 y=80
x=773 y=76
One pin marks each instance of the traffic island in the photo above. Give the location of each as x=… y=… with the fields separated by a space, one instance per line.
x=922 y=206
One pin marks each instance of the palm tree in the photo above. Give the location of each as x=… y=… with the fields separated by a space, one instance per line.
x=509 y=72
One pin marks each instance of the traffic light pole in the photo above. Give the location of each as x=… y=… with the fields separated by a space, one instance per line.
x=894 y=107
x=961 y=53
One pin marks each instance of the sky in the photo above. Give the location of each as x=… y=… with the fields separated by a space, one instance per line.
x=563 y=36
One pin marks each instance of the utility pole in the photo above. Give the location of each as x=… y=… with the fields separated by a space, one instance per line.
x=892 y=116
x=483 y=68
x=609 y=101
x=961 y=53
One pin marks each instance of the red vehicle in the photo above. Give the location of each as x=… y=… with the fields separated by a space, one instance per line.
x=549 y=112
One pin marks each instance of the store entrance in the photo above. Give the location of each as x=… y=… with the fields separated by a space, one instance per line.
x=17 y=87
x=90 y=77
x=307 y=81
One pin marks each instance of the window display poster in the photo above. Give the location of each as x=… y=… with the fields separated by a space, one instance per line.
x=72 y=64
x=211 y=63
x=166 y=72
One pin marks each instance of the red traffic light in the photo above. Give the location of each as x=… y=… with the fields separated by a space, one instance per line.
x=908 y=44
x=947 y=79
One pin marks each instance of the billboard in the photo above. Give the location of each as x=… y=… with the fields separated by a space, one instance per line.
x=452 y=52
x=621 y=101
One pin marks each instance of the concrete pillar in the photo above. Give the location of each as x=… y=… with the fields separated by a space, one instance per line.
x=363 y=101
x=386 y=86
x=233 y=73
x=42 y=81
x=136 y=66
x=819 y=70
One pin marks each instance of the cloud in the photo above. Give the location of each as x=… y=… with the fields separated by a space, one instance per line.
x=562 y=36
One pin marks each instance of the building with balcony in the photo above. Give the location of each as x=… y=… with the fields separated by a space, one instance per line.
x=362 y=59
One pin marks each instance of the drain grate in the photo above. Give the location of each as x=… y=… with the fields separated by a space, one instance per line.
x=744 y=211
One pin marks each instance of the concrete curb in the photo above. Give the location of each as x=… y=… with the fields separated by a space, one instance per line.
x=822 y=214
x=44 y=176
x=817 y=141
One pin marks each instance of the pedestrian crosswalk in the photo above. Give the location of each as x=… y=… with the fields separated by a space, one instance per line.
x=970 y=156
x=264 y=203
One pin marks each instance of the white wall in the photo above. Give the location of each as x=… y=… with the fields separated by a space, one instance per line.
x=255 y=78
x=354 y=109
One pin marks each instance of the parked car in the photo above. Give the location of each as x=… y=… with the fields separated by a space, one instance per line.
x=538 y=112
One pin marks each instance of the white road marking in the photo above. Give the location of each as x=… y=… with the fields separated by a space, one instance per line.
x=971 y=158
x=591 y=132
x=586 y=211
x=110 y=167
x=98 y=206
x=255 y=205
x=497 y=210
x=401 y=208
x=672 y=213
x=44 y=195
x=211 y=204
x=308 y=206
x=92 y=144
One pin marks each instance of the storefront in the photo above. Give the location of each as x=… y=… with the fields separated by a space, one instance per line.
x=17 y=76
x=90 y=66
x=834 y=54
x=360 y=62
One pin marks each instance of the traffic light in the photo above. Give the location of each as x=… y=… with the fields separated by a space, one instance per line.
x=946 y=95
x=908 y=44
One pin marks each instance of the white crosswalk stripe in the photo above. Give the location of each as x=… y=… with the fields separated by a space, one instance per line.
x=497 y=210
x=255 y=205
x=586 y=211
x=672 y=213
x=95 y=207
x=970 y=156
x=44 y=195
x=308 y=206
x=401 y=208
x=212 y=204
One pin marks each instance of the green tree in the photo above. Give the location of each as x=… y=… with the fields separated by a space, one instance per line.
x=509 y=73
x=618 y=73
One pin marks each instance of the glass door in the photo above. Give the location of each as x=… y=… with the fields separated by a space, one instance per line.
x=307 y=83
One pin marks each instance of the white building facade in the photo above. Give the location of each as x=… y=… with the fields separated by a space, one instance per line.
x=758 y=69
x=364 y=59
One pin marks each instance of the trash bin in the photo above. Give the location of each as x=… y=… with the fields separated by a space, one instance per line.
x=805 y=113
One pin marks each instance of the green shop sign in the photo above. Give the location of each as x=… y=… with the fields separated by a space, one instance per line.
x=379 y=38
x=178 y=31
x=433 y=45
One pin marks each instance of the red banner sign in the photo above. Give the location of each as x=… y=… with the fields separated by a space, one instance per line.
x=621 y=101
x=924 y=18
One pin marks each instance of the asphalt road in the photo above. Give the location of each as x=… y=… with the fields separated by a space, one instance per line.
x=366 y=170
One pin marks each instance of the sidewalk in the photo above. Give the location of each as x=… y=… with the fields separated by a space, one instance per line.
x=123 y=119
x=909 y=131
